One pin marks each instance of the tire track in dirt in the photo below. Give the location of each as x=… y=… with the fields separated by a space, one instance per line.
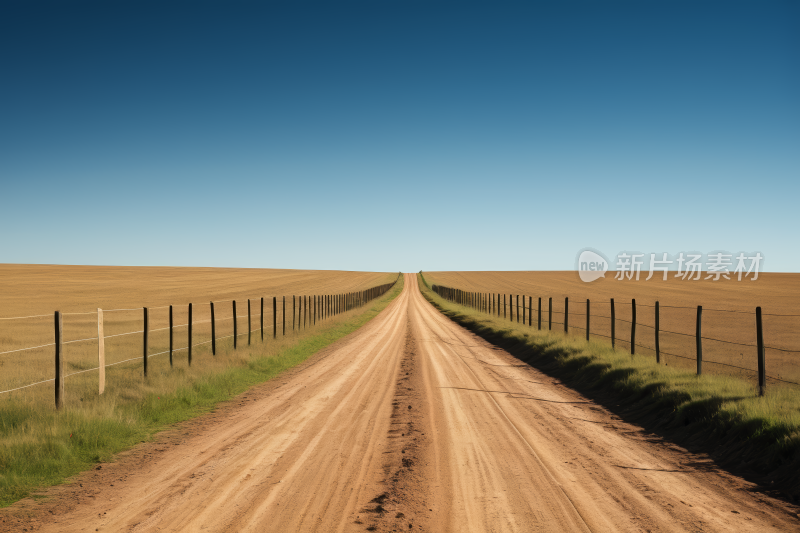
x=403 y=504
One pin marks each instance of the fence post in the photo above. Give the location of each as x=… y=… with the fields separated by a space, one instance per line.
x=59 y=373
x=523 y=305
x=190 y=335
x=145 y=339
x=613 y=325
x=213 y=331
x=539 y=314
x=170 y=336
x=698 y=340
x=294 y=309
x=566 y=315
x=101 y=352
x=587 y=319
x=249 y=323
x=504 y=306
x=235 y=325
x=658 y=346
x=523 y=310
x=633 y=326
x=530 y=311
x=550 y=314
x=262 y=319
x=762 y=363
x=274 y=317
x=284 y=316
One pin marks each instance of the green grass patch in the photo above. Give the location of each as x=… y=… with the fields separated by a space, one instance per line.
x=758 y=437
x=40 y=447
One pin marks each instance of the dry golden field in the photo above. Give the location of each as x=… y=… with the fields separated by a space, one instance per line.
x=728 y=313
x=77 y=291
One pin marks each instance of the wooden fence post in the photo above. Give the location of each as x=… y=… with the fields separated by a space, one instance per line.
x=145 y=340
x=190 y=335
x=59 y=373
x=613 y=325
x=262 y=319
x=549 y=313
x=523 y=305
x=539 y=314
x=101 y=352
x=566 y=315
x=762 y=360
x=213 y=331
x=504 y=306
x=249 y=323
x=698 y=340
x=294 y=309
x=587 y=319
x=284 y=316
x=658 y=346
x=633 y=326
x=274 y=317
x=171 y=325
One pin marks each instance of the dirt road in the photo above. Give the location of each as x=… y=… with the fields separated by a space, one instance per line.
x=412 y=424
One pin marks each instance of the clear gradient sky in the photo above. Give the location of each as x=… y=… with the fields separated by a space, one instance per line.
x=397 y=135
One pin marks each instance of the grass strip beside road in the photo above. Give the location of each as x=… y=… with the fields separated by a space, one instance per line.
x=758 y=438
x=40 y=447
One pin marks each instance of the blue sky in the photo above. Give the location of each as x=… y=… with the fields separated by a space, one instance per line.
x=397 y=135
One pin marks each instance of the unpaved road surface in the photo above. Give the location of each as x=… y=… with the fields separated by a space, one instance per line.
x=409 y=424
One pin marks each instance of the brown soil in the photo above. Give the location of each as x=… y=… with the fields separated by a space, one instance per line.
x=78 y=291
x=39 y=289
x=776 y=293
x=409 y=424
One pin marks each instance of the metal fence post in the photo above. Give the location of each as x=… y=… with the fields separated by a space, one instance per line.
x=699 y=341
x=587 y=319
x=189 y=349
x=613 y=325
x=762 y=363
x=145 y=339
x=213 y=331
x=633 y=326
x=59 y=372
x=658 y=345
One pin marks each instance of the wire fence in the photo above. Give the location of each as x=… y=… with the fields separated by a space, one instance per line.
x=721 y=341
x=109 y=337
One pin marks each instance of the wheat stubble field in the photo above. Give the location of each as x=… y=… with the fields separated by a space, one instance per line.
x=410 y=423
x=776 y=293
x=77 y=291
